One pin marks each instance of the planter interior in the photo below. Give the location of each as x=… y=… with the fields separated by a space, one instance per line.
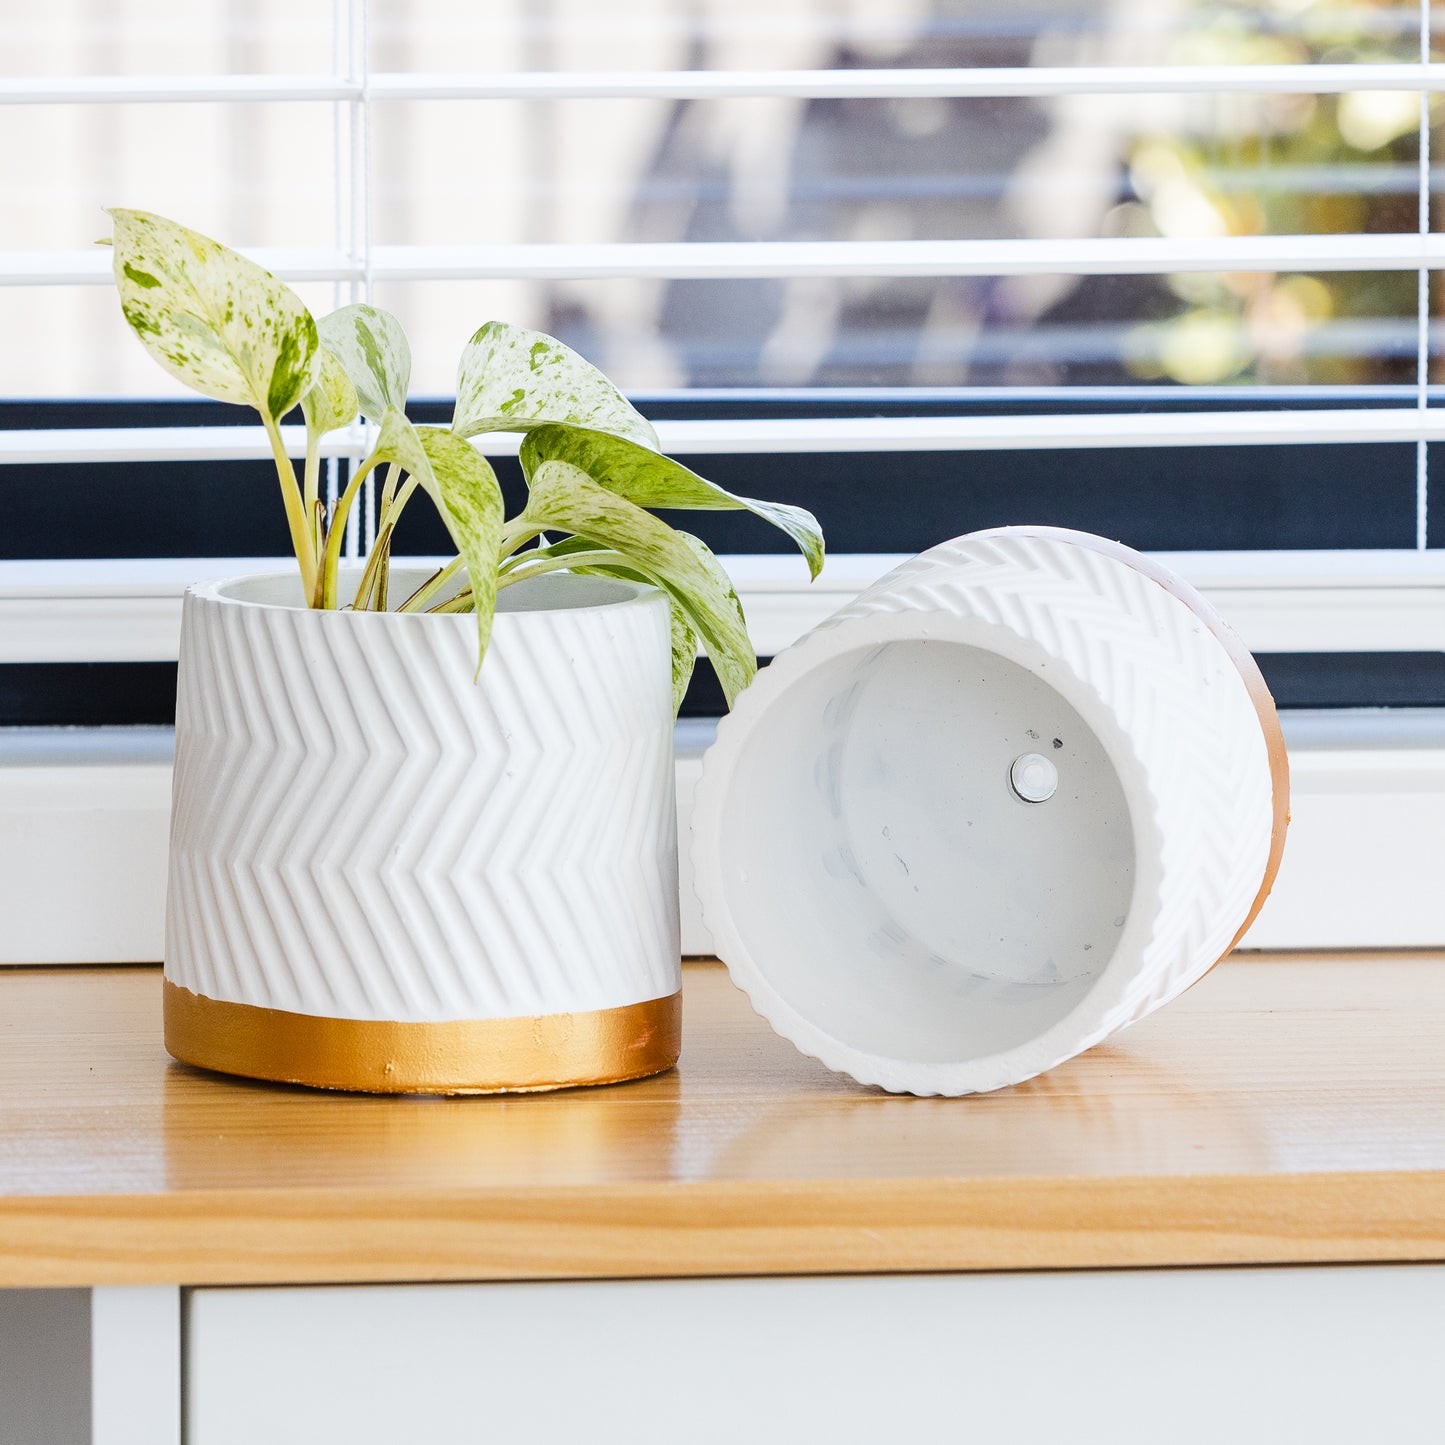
x=910 y=902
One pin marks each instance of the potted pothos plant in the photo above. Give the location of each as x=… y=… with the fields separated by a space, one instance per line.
x=423 y=827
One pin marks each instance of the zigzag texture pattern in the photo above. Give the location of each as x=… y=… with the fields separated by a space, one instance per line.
x=1174 y=690
x=361 y=831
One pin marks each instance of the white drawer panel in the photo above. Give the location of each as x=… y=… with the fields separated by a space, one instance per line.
x=1344 y=1354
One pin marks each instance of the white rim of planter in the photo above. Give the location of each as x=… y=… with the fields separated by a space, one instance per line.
x=410 y=578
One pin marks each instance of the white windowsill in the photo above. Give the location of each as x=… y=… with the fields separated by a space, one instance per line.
x=84 y=818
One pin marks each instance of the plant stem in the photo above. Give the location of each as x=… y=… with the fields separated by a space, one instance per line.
x=312 y=470
x=388 y=490
x=383 y=577
x=556 y=564
x=391 y=505
x=387 y=516
x=374 y=575
x=517 y=533
x=514 y=560
x=462 y=602
x=297 y=517
x=325 y=590
x=432 y=586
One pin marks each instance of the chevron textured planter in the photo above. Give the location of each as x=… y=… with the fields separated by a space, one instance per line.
x=386 y=876
x=1022 y=792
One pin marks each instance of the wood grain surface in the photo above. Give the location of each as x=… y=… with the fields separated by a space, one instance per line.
x=1286 y=1109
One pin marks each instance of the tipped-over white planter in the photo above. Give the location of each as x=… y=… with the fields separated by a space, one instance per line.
x=1023 y=791
x=387 y=876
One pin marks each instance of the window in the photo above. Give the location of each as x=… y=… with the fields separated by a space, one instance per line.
x=787 y=225
x=1161 y=271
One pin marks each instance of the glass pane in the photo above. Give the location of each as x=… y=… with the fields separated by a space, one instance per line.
x=776 y=169
x=812 y=34
x=1008 y=331
x=757 y=169
x=165 y=37
x=250 y=175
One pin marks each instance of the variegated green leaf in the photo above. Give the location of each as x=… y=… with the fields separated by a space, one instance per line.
x=565 y=498
x=373 y=348
x=216 y=321
x=467 y=495
x=649 y=479
x=685 y=638
x=704 y=554
x=331 y=403
x=684 y=653
x=400 y=442
x=512 y=379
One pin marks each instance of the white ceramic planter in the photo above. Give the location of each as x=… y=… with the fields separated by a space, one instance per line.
x=1020 y=793
x=386 y=876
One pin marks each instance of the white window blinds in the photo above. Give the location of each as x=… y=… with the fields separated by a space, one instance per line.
x=1086 y=196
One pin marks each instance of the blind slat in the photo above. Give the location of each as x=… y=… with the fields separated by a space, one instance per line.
x=990 y=82
x=92 y=266
x=738 y=260
x=790 y=434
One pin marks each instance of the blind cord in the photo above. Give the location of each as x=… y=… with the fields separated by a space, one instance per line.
x=1422 y=303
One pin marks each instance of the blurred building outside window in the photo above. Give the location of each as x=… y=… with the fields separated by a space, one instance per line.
x=587 y=170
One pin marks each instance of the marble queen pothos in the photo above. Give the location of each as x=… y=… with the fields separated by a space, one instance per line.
x=595 y=473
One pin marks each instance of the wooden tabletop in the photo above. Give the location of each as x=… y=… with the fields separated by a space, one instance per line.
x=1284 y=1110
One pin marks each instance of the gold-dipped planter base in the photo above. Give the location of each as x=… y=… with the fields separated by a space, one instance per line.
x=457 y=1056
